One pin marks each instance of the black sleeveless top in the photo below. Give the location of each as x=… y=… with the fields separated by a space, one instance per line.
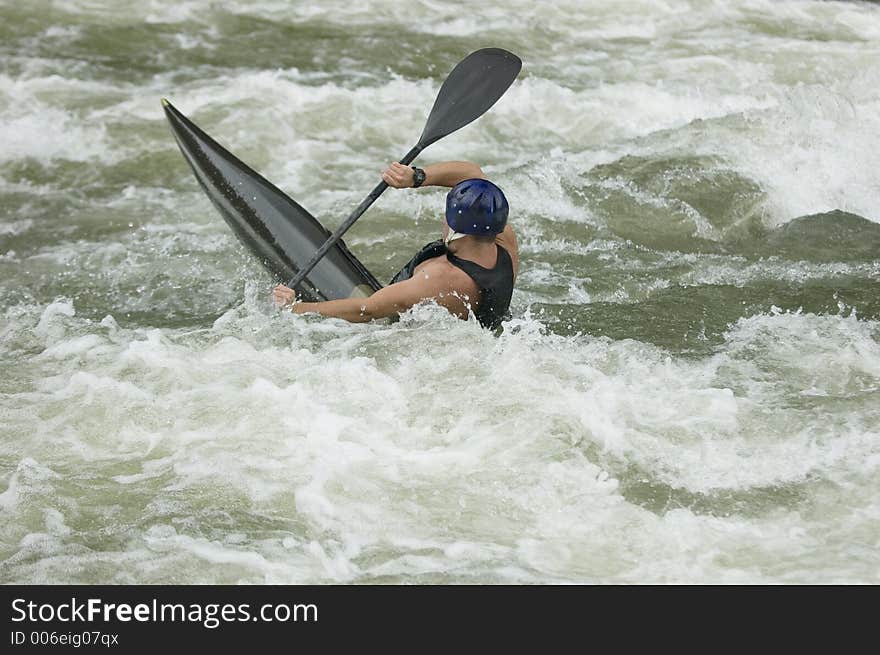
x=495 y=284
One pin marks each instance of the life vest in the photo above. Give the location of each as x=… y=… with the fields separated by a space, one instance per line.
x=495 y=284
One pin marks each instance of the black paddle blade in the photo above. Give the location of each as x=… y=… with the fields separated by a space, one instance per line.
x=474 y=85
x=280 y=232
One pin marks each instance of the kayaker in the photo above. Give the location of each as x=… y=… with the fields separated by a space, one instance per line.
x=472 y=268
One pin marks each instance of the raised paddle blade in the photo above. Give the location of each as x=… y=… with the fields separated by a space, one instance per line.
x=272 y=225
x=474 y=85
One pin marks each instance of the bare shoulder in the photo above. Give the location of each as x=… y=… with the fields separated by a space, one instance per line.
x=439 y=274
x=433 y=280
x=507 y=240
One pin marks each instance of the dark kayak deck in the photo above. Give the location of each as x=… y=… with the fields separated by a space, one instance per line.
x=273 y=226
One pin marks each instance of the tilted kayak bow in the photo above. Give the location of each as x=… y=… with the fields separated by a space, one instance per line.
x=272 y=225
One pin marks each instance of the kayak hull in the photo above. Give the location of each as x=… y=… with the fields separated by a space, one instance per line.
x=273 y=226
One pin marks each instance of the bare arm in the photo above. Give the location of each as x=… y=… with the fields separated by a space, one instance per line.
x=388 y=301
x=445 y=173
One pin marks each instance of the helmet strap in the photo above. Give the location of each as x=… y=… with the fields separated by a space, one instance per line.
x=452 y=235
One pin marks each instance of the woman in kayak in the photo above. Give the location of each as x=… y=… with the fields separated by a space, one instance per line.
x=472 y=268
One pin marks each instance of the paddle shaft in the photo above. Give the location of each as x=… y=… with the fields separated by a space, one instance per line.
x=356 y=214
x=473 y=86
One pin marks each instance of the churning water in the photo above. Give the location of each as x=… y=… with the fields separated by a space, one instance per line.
x=689 y=390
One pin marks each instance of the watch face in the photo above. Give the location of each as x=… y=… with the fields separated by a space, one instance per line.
x=418 y=176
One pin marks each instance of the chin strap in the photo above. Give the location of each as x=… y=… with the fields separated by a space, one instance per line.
x=452 y=235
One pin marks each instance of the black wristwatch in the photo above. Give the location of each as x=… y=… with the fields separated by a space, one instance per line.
x=419 y=176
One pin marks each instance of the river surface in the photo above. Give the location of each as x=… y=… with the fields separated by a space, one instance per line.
x=688 y=390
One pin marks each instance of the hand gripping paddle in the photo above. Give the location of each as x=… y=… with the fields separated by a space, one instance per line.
x=473 y=86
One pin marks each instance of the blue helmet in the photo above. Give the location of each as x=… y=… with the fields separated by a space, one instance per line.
x=476 y=206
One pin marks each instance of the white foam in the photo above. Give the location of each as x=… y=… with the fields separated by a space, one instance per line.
x=395 y=450
x=813 y=153
x=15 y=228
x=49 y=134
